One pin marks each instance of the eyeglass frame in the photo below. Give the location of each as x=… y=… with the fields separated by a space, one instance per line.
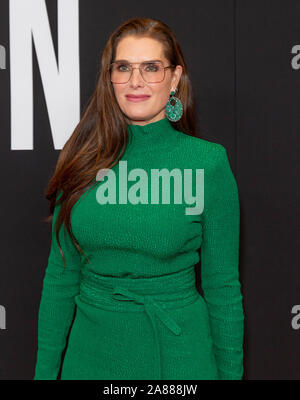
x=139 y=67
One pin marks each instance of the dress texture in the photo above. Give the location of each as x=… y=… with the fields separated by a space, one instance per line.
x=138 y=314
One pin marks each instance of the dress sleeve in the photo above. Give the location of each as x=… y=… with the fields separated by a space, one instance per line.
x=219 y=267
x=57 y=305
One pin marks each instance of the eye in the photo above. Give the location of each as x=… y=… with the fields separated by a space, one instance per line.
x=151 y=67
x=122 y=67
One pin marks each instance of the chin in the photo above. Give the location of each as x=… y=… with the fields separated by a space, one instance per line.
x=139 y=115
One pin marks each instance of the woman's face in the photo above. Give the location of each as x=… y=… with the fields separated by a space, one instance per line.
x=136 y=50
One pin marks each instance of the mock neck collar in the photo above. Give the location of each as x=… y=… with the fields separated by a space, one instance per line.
x=153 y=136
x=158 y=126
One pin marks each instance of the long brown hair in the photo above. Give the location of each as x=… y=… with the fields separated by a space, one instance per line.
x=100 y=138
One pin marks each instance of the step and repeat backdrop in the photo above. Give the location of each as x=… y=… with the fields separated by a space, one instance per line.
x=243 y=58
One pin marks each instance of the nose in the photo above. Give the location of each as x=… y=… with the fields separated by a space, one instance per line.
x=136 y=77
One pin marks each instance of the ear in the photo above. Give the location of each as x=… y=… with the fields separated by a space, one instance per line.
x=176 y=76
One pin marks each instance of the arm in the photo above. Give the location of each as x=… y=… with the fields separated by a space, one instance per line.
x=219 y=267
x=57 y=304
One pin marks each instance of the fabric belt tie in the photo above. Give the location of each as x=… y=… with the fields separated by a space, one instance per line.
x=152 y=309
x=158 y=295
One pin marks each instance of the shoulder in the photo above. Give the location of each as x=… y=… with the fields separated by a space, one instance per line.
x=203 y=149
x=213 y=158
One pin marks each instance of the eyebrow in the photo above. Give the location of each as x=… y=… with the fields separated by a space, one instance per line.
x=146 y=61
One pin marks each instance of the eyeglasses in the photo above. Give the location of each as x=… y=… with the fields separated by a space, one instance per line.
x=152 y=72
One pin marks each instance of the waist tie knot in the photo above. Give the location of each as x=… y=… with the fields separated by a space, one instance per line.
x=153 y=310
x=159 y=294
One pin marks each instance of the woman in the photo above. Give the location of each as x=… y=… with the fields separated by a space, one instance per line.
x=127 y=264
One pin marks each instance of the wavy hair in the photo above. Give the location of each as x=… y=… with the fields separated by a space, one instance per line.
x=100 y=138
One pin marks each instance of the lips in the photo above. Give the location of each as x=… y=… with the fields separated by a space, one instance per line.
x=139 y=96
x=136 y=98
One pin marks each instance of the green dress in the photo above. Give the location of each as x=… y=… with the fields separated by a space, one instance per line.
x=138 y=314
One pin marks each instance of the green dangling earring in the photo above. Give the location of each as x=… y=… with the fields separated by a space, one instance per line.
x=174 y=113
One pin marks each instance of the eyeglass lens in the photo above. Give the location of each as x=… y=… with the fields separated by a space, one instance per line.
x=152 y=72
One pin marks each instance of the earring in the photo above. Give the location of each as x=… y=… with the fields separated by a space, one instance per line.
x=174 y=112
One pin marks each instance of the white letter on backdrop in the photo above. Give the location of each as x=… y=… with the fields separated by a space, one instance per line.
x=60 y=78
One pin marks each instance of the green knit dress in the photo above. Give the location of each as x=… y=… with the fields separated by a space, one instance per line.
x=138 y=314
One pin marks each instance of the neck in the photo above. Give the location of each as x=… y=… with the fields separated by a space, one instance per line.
x=153 y=134
x=152 y=127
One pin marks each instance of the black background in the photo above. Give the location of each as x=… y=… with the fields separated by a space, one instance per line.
x=247 y=93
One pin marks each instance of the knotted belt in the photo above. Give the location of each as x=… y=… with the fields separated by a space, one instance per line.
x=174 y=290
x=152 y=309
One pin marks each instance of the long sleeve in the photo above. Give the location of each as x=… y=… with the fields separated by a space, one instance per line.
x=57 y=306
x=219 y=267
